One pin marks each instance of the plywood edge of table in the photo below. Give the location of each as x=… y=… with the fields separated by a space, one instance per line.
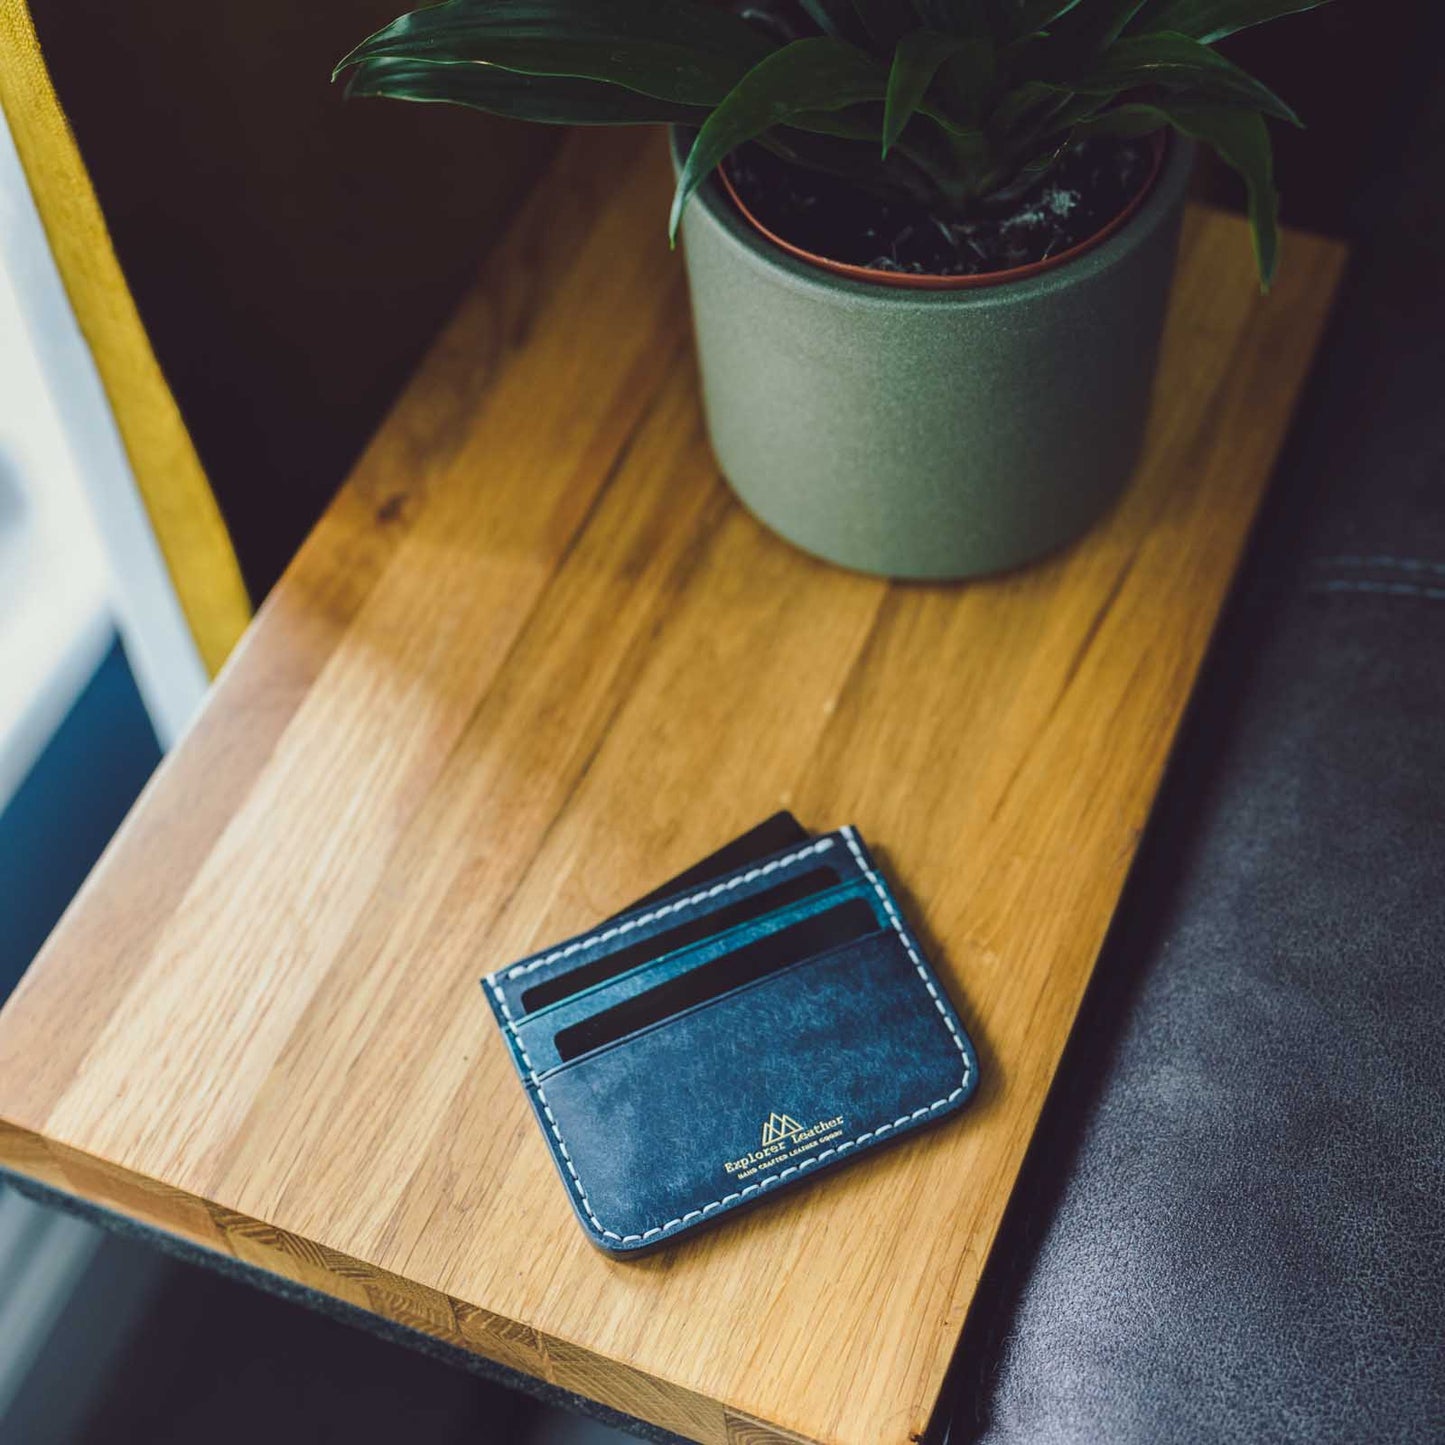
x=532 y=623
x=206 y=1225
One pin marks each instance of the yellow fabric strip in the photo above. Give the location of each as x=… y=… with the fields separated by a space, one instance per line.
x=172 y=484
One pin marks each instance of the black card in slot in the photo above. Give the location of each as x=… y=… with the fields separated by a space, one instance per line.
x=792 y=890
x=773 y=835
x=769 y=954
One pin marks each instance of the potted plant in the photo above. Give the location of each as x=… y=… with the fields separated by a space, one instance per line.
x=929 y=242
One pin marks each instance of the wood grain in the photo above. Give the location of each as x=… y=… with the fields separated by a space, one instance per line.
x=536 y=659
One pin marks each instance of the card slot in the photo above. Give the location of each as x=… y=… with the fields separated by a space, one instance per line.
x=796 y=942
x=545 y=1022
x=537 y=1032
x=549 y=991
x=883 y=937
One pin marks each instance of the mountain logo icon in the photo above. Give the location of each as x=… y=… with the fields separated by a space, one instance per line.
x=778 y=1128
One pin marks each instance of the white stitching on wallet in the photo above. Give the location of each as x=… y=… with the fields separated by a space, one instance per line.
x=883 y=898
x=821 y=846
x=547 y=1109
x=897 y=922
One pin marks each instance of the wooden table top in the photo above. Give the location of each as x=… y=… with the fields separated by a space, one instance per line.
x=534 y=660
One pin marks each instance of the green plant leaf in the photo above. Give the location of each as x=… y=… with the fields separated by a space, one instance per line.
x=965 y=78
x=819 y=74
x=1021 y=109
x=549 y=99
x=1134 y=119
x=855 y=161
x=855 y=122
x=1179 y=63
x=969 y=98
x=1212 y=20
x=967 y=81
x=1241 y=140
x=1095 y=27
x=834 y=17
x=678 y=50
x=954 y=17
x=916 y=61
x=1069 y=112
x=1028 y=17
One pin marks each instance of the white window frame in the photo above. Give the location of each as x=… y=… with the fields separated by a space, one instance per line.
x=84 y=458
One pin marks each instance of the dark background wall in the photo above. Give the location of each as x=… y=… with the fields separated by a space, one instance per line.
x=1356 y=71
x=292 y=255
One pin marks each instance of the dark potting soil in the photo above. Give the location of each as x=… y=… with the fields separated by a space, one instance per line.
x=1091 y=184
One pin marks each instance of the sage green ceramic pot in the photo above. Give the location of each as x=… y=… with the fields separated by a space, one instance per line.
x=928 y=434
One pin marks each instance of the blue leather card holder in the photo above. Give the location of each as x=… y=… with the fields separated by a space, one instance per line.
x=696 y=1054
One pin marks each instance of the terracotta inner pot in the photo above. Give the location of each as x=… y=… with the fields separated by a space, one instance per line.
x=924 y=281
